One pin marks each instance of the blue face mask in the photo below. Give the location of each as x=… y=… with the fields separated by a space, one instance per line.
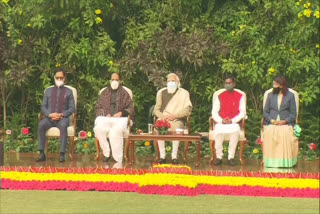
x=172 y=87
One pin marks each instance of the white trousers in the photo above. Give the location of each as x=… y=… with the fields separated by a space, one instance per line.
x=162 y=149
x=112 y=127
x=220 y=130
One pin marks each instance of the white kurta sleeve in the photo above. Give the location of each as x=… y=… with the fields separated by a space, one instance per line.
x=242 y=111
x=215 y=111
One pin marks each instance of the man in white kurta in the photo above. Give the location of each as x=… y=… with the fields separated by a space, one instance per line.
x=173 y=104
x=228 y=109
x=113 y=108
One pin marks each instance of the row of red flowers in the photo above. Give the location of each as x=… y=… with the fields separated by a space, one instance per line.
x=161 y=190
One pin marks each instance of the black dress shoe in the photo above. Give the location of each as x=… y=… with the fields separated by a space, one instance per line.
x=41 y=158
x=62 y=158
x=217 y=162
x=106 y=159
x=162 y=161
x=232 y=162
x=175 y=161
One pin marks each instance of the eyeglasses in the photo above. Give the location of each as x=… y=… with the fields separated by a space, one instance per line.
x=59 y=78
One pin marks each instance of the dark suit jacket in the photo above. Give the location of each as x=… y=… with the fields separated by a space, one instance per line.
x=69 y=104
x=287 y=111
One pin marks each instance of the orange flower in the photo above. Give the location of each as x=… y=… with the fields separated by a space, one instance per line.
x=147 y=143
x=86 y=146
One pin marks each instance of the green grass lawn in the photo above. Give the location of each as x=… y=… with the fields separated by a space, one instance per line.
x=110 y=202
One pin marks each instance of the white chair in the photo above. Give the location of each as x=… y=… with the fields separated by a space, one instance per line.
x=243 y=140
x=126 y=133
x=54 y=132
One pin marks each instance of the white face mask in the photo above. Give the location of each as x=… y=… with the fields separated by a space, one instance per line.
x=172 y=87
x=58 y=83
x=114 y=84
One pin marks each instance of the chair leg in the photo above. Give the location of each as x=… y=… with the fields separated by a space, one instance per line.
x=126 y=153
x=71 y=152
x=98 y=149
x=213 y=151
x=242 y=145
x=186 y=148
x=156 y=146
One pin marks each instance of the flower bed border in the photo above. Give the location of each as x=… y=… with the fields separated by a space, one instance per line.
x=167 y=180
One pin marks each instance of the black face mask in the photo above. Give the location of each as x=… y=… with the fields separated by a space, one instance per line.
x=276 y=90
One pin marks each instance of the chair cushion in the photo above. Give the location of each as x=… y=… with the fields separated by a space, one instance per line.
x=55 y=132
x=227 y=136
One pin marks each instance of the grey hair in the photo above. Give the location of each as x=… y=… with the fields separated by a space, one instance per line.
x=176 y=77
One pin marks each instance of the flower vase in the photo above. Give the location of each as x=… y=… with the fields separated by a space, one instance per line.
x=162 y=131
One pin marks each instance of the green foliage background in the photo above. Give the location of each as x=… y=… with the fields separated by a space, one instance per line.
x=201 y=40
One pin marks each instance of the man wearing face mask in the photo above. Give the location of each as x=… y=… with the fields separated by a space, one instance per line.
x=227 y=111
x=112 y=110
x=173 y=104
x=57 y=105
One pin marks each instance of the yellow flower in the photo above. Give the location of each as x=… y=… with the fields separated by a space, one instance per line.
x=298 y=3
x=168 y=148
x=110 y=63
x=307 y=13
x=317 y=45
x=255 y=151
x=309 y=4
x=86 y=146
x=317 y=14
x=29 y=25
x=89 y=134
x=19 y=41
x=5 y=1
x=98 y=11
x=58 y=65
x=253 y=62
x=233 y=33
x=147 y=143
x=300 y=15
x=293 y=50
x=271 y=70
x=242 y=27
x=305 y=5
x=98 y=20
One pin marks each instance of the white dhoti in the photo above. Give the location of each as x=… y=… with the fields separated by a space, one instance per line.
x=114 y=128
x=220 y=130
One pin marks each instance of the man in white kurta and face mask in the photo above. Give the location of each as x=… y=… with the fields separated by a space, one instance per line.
x=112 y=110
x=173 y=104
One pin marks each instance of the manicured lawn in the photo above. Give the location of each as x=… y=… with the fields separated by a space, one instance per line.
x=110 y=202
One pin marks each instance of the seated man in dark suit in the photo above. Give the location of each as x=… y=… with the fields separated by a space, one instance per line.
x=57 y=105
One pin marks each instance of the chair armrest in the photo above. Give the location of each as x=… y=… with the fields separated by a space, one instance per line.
x=74 y=121
x=40 y=116
x=188 y=124
x=129 y=124
x=211 y=123
x=242 y=124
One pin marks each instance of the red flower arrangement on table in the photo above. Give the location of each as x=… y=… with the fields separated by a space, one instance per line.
x=162 y=126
